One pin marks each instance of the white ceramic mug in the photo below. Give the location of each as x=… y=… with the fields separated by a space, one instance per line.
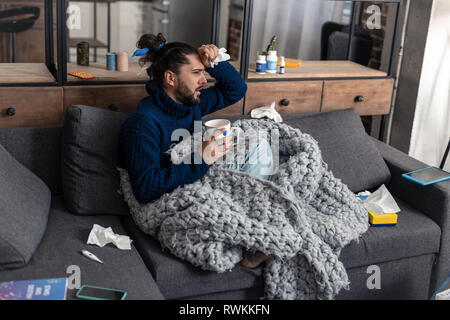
x=213 y=125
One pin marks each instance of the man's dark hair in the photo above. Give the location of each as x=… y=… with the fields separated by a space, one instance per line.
x=172 y=56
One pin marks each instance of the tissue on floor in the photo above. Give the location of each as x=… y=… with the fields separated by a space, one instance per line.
x=101 y=236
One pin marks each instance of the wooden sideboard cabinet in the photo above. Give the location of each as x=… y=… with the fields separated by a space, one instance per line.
x=122 y=98
x=233 y=110
x=35 y=106
x=38 y=93
x=30 y=106
x=289 y=96
x=368 y=97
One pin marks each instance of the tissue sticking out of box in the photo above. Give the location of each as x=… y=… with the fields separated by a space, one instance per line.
x=381 y=207
x=101 y=236
x=381 y=201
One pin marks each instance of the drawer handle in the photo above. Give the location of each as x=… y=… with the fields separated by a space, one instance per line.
x=359 y=99
x=284 y=102
x=10 y=112
x=113 y=107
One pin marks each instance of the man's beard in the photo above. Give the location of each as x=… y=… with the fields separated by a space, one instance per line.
x=185 y=96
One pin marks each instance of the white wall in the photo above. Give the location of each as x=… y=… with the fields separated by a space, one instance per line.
x=431 y=127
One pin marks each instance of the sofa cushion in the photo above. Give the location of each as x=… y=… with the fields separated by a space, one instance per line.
x=90 y=153
x=415 y=235
x=346 y=148
x=179 y=279
x=24 y=206
x=60 y=247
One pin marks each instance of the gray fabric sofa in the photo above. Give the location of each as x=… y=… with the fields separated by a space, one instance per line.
x=413 y=257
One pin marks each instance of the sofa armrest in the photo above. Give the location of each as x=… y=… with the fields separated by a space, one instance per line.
x=433 y=200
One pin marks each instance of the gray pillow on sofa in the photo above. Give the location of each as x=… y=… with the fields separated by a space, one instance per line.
x=89 y=159
x=24 y=207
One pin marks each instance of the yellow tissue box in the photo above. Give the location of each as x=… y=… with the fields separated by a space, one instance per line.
x=387 y=219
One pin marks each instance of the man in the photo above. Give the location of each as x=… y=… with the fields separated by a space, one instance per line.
x=178 y=97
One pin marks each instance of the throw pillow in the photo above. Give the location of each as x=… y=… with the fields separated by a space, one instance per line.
x=90 y=153
x=25 y=202
x=346 y=148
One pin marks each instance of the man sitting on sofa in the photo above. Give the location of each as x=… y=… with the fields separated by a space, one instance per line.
x=178 y=97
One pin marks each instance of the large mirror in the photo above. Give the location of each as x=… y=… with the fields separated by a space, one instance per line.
x=230 y=29
x=22 y=31
x=23 y=41
x=112 y=26
x=298 y=25
x=309 y=31
x=372 y=44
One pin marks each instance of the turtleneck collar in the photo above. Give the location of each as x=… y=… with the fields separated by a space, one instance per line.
x=170 y=106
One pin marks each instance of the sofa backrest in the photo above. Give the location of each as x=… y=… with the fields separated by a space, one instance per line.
x=38 y=149
x=346 y=147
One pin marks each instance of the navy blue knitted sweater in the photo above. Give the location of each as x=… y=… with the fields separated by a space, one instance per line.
x=145 y=136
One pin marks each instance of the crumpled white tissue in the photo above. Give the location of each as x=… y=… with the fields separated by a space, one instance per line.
x=381 y=202
x=223 y=56
x=269 y=112
x=101 y=236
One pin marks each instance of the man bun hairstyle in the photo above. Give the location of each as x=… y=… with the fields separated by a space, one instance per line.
x=172 y=56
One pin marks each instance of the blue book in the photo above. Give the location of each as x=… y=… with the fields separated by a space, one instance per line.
x=445 y=287
x=40 y=289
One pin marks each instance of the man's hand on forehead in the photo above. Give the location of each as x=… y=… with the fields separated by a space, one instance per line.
x=208 y=53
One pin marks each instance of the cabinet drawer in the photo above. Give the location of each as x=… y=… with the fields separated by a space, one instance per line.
x=123 y=98
x=29 y=107
x=289 y=96
x=368 y=97
x=233 y=110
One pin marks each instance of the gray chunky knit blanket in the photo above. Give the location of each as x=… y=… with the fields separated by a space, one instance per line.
x=302 y=218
